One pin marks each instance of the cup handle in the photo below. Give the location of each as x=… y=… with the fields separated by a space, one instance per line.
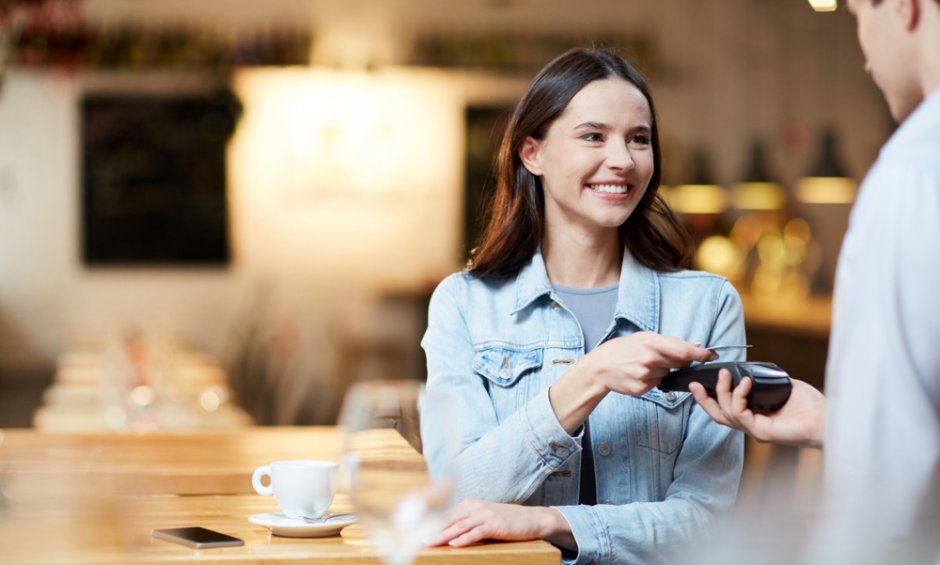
x=256 y=481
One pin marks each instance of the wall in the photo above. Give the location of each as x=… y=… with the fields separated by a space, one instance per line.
x=727 y=70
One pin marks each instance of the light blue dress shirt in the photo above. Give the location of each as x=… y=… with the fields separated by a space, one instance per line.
x=882 y=446
x=664 y=469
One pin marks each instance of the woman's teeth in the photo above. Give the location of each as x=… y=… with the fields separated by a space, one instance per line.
x=609 y=188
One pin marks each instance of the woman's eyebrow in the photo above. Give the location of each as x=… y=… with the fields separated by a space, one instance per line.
x=592 y=125
x=602 y=126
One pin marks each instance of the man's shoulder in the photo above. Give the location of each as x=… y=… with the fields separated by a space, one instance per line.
x=914 y=148
x=905 y=173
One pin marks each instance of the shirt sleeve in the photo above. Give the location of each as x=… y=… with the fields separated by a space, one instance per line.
x=498 y=461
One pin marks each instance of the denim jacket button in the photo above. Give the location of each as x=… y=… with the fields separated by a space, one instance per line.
x=603 y=449
x=505 y=373
x=671 y=396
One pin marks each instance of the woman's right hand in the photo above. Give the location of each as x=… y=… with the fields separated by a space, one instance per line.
x=636 y=363
x=631 y=365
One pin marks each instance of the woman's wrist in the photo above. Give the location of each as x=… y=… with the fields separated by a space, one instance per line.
x=588 y=377
x=554 y=529
x=575 y=395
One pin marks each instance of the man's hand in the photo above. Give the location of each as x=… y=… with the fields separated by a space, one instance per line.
x=800 y=422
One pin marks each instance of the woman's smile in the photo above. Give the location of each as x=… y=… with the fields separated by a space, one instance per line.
x=617 y=190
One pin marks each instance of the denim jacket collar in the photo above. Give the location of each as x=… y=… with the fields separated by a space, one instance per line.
x=637 y=297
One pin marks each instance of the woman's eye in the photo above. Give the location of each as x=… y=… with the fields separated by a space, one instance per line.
x=594 y=136
x=640 y=139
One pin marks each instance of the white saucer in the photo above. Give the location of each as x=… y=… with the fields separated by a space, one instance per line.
x=281 y=525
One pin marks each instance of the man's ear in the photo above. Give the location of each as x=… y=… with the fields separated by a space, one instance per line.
x=908 y=11
x=530 y=154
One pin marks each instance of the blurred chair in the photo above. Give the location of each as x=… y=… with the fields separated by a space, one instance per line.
x=282 y=357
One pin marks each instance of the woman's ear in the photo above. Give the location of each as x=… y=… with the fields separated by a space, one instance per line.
x=529 y=154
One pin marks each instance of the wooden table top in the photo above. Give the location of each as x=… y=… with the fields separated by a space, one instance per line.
x=120 y=533
x=81 y=498
x=111 y=387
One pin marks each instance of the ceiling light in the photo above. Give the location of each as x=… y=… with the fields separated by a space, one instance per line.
x=823 y=5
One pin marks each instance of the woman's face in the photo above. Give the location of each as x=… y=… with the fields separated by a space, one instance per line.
x=596 y=159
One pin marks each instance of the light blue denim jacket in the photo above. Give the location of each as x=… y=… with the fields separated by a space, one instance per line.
x=664 y=469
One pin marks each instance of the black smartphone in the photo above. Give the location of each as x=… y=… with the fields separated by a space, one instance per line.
x=196 y=536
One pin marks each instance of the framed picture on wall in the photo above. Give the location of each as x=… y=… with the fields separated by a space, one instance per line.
x=153 y=177
x=485 y=126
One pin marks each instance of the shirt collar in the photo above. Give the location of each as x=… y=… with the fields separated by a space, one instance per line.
x=924 y=118
x=637 y=296
x=532 y=282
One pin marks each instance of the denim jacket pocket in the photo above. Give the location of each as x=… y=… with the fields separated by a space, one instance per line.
x=503 y=367
x=661 y=421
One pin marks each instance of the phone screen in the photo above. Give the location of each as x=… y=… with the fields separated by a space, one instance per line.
x=196 y=536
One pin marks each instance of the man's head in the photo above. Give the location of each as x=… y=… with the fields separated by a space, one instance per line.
x=896 y=37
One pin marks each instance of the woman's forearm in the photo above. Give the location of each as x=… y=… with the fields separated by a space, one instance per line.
x=575 y=395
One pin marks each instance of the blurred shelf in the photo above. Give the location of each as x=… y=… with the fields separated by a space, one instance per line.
x=794 y=334
x=808 y=317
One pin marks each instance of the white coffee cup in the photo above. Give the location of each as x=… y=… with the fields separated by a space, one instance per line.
x=303 y=488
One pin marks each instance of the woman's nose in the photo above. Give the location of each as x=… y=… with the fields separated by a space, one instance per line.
x=619 y=156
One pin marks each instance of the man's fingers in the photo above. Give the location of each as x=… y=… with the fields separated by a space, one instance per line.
x=698 y=392
x=723 y=395
x=739 y=398
x=708 y=404
x=729 y=407
x=723 y=387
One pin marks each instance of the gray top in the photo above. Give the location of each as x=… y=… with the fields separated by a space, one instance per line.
x=594 y=309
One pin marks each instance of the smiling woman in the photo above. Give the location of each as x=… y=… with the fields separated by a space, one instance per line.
x=572 y=310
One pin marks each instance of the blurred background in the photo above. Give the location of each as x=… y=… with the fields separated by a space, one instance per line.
x=228 y=204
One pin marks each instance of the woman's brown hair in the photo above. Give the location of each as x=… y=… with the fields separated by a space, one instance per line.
x=514 y=230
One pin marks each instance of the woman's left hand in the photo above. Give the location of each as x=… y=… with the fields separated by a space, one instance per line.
x=475 y=520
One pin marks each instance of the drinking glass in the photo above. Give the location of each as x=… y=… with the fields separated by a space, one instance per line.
x=399 y=504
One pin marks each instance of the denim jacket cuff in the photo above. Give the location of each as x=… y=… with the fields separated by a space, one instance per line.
x=589 y=533
x=546 y=436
